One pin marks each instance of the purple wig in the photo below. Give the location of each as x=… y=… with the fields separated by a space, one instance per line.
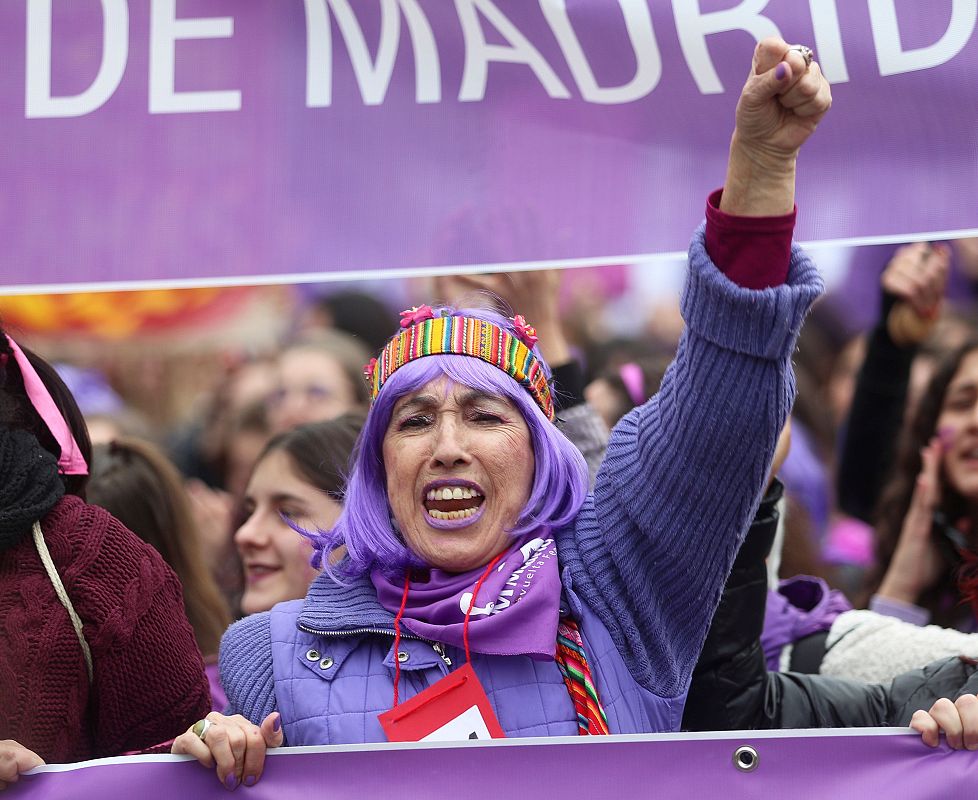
x=365 y=526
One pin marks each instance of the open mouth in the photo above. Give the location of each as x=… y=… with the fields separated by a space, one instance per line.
x=256 y=572
x=453 y=502
x=968 y=453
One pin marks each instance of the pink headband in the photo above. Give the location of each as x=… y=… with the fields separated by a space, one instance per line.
x=631 y=376
x=71 y=462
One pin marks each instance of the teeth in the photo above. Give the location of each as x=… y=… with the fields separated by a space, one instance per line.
x=464 y=514
x=453 y=493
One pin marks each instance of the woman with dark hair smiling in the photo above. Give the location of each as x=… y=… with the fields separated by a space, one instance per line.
x=928 y=526
x=298 y=482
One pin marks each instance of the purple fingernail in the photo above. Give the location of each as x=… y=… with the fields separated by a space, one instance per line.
x=277 y=725
x=780 y=71
x=946 y=435
x=231 y=781
x=250 y=780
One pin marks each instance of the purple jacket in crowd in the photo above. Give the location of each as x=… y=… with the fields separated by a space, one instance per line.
x=801 y=606
x=642 y=567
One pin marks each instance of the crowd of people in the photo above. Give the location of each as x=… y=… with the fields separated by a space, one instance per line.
x=751 y=527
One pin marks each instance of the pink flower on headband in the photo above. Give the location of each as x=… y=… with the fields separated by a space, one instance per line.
x=413 y=316
x=368 y=370
x=526 y=333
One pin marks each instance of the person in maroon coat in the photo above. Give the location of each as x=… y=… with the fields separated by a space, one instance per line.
x=96 y=655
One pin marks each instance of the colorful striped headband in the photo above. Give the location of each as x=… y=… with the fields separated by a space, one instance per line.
x=427 y=335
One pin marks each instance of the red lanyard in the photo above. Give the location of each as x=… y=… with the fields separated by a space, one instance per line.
x=465 y=624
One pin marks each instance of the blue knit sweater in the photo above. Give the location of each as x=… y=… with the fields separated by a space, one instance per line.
x=650 y=550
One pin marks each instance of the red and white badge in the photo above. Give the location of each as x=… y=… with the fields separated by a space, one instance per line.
x=454 y=709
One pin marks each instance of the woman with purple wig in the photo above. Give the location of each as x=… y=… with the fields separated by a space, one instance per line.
x=483 y=591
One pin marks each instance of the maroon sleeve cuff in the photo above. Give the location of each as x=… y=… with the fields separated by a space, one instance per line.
x=753 y=252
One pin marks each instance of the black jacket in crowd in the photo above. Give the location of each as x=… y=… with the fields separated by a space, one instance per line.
x=733 y=690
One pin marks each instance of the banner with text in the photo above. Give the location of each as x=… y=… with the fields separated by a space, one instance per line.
x=800 y=764
x=213 y=141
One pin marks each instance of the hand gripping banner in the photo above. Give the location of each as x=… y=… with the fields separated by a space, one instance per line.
x=211 y=142
x=839 y=764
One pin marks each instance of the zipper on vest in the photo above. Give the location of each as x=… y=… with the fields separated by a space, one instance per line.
x=357 y=632
x=438 y=647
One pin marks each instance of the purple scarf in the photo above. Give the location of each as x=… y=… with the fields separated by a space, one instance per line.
x=516 y=612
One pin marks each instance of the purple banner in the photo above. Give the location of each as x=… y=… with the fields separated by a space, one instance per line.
x=215 y=141
x=838 y=764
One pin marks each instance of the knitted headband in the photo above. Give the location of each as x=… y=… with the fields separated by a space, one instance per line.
x=427 y=335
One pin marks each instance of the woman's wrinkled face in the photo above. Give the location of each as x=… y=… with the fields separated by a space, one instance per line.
x=459 y=467
x=275 y=557
x=957 y=426
x=311 y=387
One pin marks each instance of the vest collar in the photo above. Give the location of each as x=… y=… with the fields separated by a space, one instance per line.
x=343 y=608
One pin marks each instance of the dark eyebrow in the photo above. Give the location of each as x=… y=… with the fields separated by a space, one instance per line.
x=283 y=497
x=417 y=401
x=276 y=499
x=964 y=383
x=474 y=396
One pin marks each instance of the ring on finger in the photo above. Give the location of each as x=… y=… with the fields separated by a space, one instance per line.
x=200 y=728
x=805 y=52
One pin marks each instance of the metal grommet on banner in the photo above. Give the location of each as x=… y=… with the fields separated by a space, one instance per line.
x=745 y=758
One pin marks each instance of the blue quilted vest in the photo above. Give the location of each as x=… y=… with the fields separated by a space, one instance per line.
x=331 y=683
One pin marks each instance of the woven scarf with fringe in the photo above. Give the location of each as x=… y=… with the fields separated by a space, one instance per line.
x=572 y=661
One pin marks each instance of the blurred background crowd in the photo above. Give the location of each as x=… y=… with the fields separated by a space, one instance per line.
x=199 y=404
